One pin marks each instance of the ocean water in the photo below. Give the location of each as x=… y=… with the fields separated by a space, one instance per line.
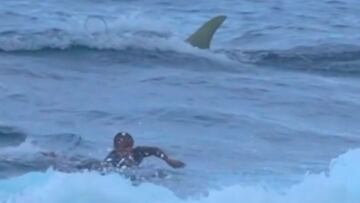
x=269 y=114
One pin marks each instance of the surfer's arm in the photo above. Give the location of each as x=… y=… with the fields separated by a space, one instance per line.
x=145 y=151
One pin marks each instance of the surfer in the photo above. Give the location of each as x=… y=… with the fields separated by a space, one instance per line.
x=124 y=154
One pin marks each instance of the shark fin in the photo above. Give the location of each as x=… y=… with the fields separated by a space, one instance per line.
x=203 y=36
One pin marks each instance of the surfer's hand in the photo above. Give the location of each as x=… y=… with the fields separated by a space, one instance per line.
x=175 y=163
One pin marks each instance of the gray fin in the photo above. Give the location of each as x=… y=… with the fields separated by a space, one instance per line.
x=203 y=36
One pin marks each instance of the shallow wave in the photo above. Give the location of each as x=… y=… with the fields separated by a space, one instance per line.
x=327 y=58
x=58 y=38
x=57 y=142
x=128 y=31
x=124 y=47
x=340 y=184
x=10 y=136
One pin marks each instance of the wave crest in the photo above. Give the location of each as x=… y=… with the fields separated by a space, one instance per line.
x=340 y=184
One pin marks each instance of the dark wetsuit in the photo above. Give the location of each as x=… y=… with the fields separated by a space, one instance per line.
x=135 y=157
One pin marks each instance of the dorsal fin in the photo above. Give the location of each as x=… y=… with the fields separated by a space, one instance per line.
x=203 y=36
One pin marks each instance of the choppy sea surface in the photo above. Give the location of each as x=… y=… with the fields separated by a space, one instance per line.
x=269 y=114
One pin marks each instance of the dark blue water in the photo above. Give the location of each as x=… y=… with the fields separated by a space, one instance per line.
x=269 y=114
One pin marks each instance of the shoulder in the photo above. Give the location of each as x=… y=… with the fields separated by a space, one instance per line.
x=112 y=152
x=139 y=149
x=148 y=151
x=144 y=150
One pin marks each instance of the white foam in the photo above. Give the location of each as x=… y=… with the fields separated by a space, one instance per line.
x=342 y=184
x=127 y=31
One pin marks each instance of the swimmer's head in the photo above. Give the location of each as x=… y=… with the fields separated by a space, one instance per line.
x=123 y=141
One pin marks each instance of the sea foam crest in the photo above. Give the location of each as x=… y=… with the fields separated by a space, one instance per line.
x=340 y=184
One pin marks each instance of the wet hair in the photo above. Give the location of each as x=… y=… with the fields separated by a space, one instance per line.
x=125 y=136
